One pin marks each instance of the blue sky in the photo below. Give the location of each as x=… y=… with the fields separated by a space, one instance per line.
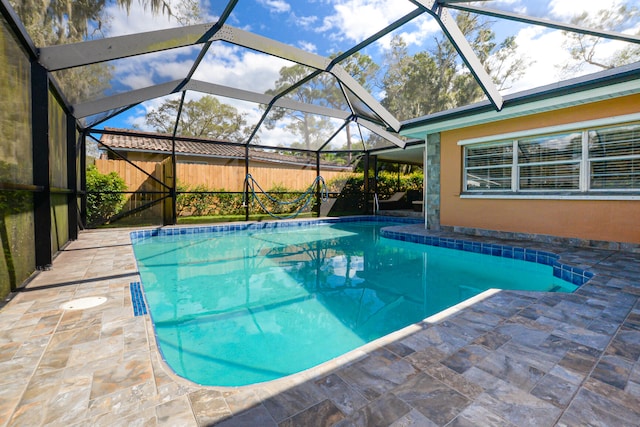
x=325 y=27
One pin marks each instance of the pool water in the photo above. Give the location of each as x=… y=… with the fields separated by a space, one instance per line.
x=253 y=306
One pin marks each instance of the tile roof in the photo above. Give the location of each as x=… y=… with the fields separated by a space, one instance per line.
x=161 y=143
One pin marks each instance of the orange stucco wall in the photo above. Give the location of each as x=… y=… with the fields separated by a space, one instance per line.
x=608 y=220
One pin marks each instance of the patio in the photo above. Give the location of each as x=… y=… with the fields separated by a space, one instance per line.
x=508 y=358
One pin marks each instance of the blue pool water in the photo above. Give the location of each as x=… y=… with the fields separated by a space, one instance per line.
x=238 y=308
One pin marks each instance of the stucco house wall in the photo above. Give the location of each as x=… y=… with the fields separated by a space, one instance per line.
x=587 y=219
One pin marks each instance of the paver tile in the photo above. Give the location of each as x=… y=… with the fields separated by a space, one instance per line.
x=432 y=398
x=512 y=359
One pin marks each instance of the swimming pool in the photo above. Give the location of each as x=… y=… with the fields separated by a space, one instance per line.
x=242 y=304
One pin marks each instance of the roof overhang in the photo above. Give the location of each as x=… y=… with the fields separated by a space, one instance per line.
x=412 y=154
x=600 y=86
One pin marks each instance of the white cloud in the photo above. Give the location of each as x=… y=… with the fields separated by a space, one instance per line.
x=136 y=117
x=308 y=46
x=226 y=65
x=545 y=49
x=308 y=22
x=349 y=16
x=277 y=6
x=137 y=20
x=423 y=30
x=153 y=68
x=566 y=9
x=135 y=81
x=235 y=67
x=172 y=70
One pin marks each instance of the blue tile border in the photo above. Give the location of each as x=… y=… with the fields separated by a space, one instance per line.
x=137 y=300
x=574 y=275
x=139 y=235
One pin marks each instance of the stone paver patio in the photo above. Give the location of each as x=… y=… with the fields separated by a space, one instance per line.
x=504 y=359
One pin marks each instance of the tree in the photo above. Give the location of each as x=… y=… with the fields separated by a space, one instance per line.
x=55 y=22
x=586 y=49
x=434 y=80
x=323 y=90
x=310 y=127
x=203 y=118
x=397 y=61
x=64 y=21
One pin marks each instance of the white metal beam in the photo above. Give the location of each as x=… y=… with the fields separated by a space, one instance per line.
x=125 y=99
x=71 y=55
x=77 y=54
x=300 y=56
x=378 y=130
x=631 y=38
x=137 y=96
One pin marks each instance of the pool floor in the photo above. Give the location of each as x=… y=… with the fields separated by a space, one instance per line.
x=514 y=358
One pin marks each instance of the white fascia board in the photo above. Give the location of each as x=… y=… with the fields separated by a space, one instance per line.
x=526 y=109
x=568 y=127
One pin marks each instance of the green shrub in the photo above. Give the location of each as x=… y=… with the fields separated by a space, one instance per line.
x=103 y=199
x=201 y=201
x=389 y=183
x=281 y=198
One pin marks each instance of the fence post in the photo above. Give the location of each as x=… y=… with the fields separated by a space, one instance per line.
x=166 y=174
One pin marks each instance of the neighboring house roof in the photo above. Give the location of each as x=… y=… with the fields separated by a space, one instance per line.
x=616 y=82
x=149 y=142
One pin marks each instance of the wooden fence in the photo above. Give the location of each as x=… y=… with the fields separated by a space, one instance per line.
x=228 y=177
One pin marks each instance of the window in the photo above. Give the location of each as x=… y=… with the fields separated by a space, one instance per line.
x=614 y=156
x=587 y=160
x=489 y=167
x=550 y=162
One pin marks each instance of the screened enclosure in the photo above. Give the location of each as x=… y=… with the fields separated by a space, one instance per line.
x=130 y=113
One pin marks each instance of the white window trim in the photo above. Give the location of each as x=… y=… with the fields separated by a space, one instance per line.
x=584 y=192
x=515 y=170
x=576 y=126
x=585 y=168
x=550 y=196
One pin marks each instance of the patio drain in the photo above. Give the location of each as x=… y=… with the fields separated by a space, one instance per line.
x=83 y=303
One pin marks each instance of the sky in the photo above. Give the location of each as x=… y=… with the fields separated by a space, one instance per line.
x=325 y=27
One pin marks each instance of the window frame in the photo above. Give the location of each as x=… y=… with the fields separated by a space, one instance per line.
x=584 y=190
x=502 y=166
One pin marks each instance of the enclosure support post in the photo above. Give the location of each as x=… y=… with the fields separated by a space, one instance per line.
x=174 y=166
x=374 y=182
x=172 y=191
x=246 y=183
x=40 y=144
x=83 y=179
x=365 y=182
x=174 y=187
x=318 y=198
x=425 y=183
x=72 y=177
